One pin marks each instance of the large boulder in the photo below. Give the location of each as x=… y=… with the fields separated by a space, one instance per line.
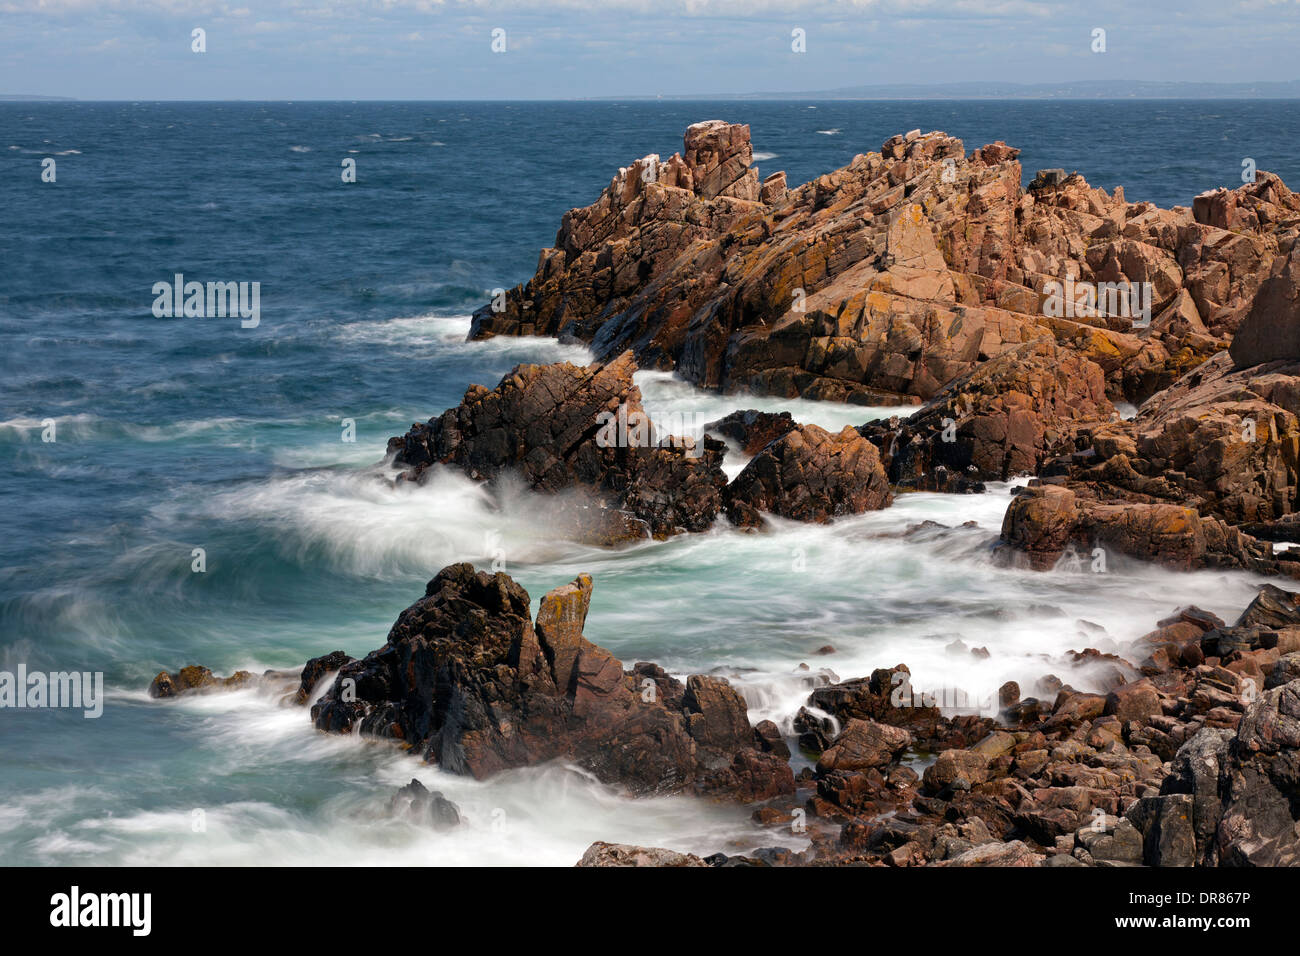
x=809 y=474
x=863 y=744
x=467 y=681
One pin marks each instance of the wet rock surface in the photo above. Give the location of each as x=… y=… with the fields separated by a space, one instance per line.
x=429 y=808
x=561 y=427
x=623 y=854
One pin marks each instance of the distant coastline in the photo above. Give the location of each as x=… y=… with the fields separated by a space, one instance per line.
x=976 y=90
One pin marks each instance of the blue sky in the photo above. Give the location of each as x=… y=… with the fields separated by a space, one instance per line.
x=441 y=49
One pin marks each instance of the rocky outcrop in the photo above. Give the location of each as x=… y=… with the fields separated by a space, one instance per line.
x=609 y=252
x=1045 y=522
x=1224 y=441
x=292 y=686
x=196 y=679
x=921 y=273
x=562 y=427
x=467 y=681
x=1264 y=207
x=809 y=474
x=883 y=281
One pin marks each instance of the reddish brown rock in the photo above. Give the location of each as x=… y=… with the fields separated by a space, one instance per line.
x=1221 y=440
x=1006 y=418
x=608 y=252
x=961 y=769
x=810 y=475
x=862 y=744
x=1046 y=523
x=1138 y=702
x=883 y=281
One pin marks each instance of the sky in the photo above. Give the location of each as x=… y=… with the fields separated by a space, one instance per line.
x=443 y=49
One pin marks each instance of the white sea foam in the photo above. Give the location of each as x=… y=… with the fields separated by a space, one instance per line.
x=444 y=332
x=540 y=816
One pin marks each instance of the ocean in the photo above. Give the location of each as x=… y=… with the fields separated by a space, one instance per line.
x=177 y=434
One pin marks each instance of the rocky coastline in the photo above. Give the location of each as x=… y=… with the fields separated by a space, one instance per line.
x=928 y=279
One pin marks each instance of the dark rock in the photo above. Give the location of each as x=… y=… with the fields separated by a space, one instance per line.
x=468 y=682
x=752 y=430
x=1169 y=835
x=767 y=736
x=1271 y=608
x=427 y=808
x=1284 y=671
x=1271 y=329
x=314 y=670
x=560 y=427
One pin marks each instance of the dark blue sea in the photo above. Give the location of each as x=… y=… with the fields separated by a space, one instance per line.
x=176 y=434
